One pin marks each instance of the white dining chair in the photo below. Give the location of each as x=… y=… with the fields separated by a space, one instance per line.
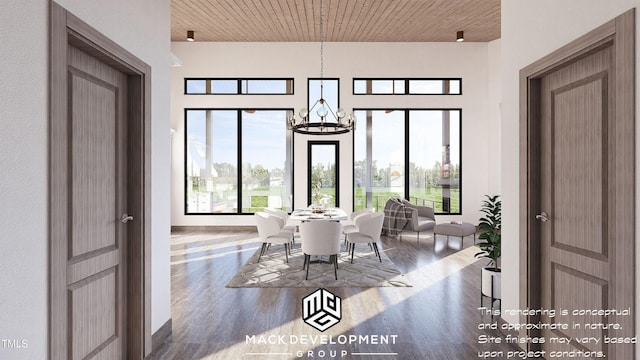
x=349 y=225
x=351 y=229
x=270 y=232
x=321 y=238
x=287 y=225
x=369 y=230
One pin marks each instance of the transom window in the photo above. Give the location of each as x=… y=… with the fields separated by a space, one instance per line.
x=225 y=86
x=452 y=86
x=330 y=93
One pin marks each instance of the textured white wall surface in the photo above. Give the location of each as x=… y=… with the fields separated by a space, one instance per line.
x=141 y=27
x=23 y=177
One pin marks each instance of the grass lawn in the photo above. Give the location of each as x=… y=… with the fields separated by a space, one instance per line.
x=424 y=197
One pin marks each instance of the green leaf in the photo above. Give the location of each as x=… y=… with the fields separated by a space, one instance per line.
x=489 y=226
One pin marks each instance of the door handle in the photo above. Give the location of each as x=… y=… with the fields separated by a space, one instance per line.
x=542 y=217
x=125 y=218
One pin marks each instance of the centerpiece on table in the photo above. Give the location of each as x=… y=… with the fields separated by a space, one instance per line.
x=316 y=206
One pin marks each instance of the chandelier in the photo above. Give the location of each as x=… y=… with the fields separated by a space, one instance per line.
x=330 y=123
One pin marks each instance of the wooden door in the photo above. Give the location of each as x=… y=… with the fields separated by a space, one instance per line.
x=577 y=193
x=99 y=169
x=96 y=272
x=575 y=247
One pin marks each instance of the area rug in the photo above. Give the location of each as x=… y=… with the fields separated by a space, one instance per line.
x=274 y=271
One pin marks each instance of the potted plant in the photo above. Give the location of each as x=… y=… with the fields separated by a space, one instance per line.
x=489 y=243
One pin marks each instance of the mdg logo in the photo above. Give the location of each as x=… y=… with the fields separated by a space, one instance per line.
x=321 y=309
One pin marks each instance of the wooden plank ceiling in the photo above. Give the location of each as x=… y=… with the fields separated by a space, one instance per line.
x=344 y=20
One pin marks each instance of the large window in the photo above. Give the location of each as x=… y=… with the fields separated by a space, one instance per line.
x=379 y=157
x=413 y=154
x=236 y=161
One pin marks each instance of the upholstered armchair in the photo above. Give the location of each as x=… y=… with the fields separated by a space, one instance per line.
x=422 y=218
x=401 y=215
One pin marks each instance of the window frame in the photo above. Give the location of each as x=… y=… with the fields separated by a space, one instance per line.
x=239 y=85
x=336 y=145
x=311 y=102
x=407 y=86
x=406 y=147
x=288 y=148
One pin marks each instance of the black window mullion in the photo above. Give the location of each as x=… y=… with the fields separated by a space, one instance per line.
x=186 y=151
x=309 y=172
x=460 y=159
x=239 y=161
x=338 y=96
x=406 y=155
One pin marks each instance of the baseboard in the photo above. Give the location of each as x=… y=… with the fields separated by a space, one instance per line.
x=161 y=335
x=183 y=228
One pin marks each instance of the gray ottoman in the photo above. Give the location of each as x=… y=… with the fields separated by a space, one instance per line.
x=454 y=229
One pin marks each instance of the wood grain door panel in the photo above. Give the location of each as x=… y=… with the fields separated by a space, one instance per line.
x=580 y=127
x=94 y=319
x=96 y=271
x=574 y=152
x=93 y=164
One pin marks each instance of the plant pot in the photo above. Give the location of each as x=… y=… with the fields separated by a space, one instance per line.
x=491 y=282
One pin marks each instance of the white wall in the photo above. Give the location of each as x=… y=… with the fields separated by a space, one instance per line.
x=474 y=62
x=530 y=30
x=142 y=27
x=494 y=82
x=23 y=176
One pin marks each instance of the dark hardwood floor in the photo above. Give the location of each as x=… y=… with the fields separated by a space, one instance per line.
x=437 y=318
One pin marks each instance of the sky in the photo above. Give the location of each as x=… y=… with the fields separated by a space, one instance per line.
x=425 y=137
x=259 y=129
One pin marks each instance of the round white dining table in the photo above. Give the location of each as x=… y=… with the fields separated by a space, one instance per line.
x=329 y=214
